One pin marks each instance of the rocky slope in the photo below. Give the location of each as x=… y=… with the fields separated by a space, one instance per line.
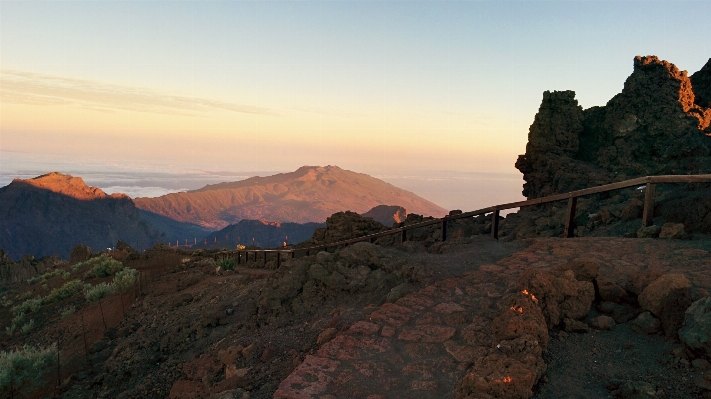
x=310 y=194
x=50 y=214
x=658 y=124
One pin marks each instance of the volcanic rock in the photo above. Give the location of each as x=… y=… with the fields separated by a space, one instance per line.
x=649 y=232
x=645 y=323
x=559 y=297
x=653 y=297
x=656 y=125
x=696 y=332
x=672 y=230
x=602 y=323
x=387 y=214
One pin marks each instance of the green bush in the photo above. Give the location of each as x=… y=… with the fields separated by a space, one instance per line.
x=30 y=305
x=96 y=292
x=28 y=327
x=124 y=280
x=108 y=267
x=227 y=264
x=66 y=291
x=91 y=262
x=24 y=368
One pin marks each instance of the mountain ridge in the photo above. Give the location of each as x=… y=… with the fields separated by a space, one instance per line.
x=309 y=194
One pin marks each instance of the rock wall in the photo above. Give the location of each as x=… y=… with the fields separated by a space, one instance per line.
x=657 y=125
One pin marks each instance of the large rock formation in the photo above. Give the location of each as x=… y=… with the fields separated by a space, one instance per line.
x=658 y=124
x=50 y=214
x=387 y=214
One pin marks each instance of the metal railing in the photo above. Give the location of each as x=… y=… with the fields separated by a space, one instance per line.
x=569 y=222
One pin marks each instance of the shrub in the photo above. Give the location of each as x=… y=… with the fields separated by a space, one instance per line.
x=107 y=267
x=96 y=292
x=68 y=311
x=28 y=327
x=66 y=291
x=30 y=305
x=124 y=279
x=227 y=264
x=24 y=368
x=48 y=276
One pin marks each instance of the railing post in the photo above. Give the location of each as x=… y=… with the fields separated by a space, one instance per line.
x=444 y=229
x=648 y=213
x=570 y=218
x=495 y=224
x=265 y=257
x=372 y=240
x=278 y=254
x=293 y=254
x=404 y=235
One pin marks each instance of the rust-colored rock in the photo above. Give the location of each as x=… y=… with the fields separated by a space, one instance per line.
x=653 y=297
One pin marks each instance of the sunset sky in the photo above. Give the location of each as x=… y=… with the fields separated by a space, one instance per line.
x=380 y=87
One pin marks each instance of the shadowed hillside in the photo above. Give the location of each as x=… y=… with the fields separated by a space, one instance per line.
x=310 y=194
x=50 y=214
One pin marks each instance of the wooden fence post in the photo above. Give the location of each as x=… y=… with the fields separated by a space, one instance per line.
x=278 y=254
x=102 y=314
x=495 y=224
x=648 y=213
x=444 y=229
x=265 y=257
x=570 y=218
x=404 y=235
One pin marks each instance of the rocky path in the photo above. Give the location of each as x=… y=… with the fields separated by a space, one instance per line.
x=423 y=344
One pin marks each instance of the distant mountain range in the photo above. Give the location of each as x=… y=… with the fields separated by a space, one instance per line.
x=52 y=213
x=310 y=194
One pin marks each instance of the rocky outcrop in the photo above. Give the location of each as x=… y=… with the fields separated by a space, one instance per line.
x=701 y=82
x=387 y=214
x=656 y=125
x=342 y=226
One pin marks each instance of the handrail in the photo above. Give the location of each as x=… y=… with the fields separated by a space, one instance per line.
x=572 y=196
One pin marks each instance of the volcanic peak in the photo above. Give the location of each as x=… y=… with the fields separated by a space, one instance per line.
x=67 y=185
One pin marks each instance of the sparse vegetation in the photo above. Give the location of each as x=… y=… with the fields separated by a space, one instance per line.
x=24 y=368
x=96 y=292
x=49 y=276
x=227 y=264
x=68 y=311
x=66 y=291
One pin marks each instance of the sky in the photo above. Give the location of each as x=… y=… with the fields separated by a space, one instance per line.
x=410 y=91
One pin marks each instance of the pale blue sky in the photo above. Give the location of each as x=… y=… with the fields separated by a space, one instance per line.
x=371 y=86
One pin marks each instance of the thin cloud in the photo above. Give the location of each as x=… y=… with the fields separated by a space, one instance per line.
x=30 y=88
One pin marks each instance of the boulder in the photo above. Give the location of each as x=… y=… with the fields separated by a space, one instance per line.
x=571 y=325
x=640 y=280
x=602 y=323
x=326 y=335
x=609 y=291
x=696 y=333
x=652 y=298
x=672 y=230
x=649 y=232
x=645 y=323
x=559 y=297
x=633 y=389
x=674 y=308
